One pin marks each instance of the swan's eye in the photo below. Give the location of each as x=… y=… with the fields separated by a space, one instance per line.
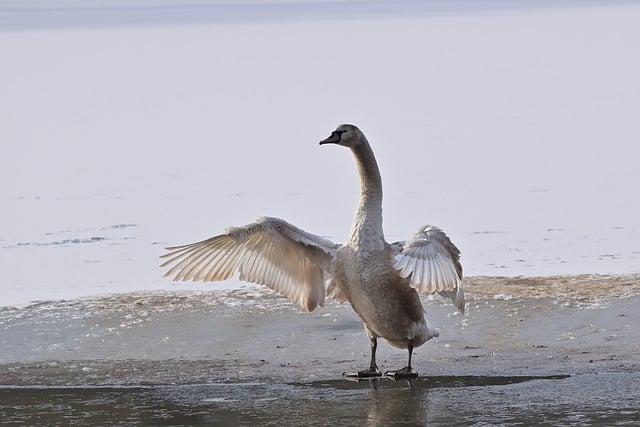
x=338 y=133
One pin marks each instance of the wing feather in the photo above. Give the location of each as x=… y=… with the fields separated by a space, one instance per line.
x=428 y=273
x=208 y=271
x=436 y=274
x=403 y=267
x=431 y=262
x=195 y=263
x=416 y=277
x=269 y=252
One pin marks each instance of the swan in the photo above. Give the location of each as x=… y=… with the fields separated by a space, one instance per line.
x=380 y=280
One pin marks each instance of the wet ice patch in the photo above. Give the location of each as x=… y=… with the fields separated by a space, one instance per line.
x=217 y=400
x=108 y=235
x=504 y=297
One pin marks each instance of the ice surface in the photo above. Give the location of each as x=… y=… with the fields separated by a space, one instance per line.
x=512 y=128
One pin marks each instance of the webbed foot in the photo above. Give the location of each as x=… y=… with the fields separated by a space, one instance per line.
x=406 y=372
x=365 y=373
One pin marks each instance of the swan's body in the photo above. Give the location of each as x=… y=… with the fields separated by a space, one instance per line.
x=380 y=280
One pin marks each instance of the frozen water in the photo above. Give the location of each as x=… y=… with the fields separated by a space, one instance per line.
x=241 y=357
x=131 y=125
x=513 y=128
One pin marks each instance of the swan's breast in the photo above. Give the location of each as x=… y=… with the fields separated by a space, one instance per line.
x=387 y=305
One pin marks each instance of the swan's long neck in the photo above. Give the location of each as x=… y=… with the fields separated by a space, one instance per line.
x=366 y=231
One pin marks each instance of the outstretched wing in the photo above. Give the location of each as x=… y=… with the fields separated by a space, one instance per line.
x=268 y=252
x=432 y=264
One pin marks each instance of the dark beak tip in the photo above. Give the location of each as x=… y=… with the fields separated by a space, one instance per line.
x=331 y=139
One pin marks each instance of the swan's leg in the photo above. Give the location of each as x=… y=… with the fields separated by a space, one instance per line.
x=407 y=371
x=373 y=367
x=373 y=370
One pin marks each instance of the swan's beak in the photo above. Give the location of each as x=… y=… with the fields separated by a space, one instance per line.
x=334 y=138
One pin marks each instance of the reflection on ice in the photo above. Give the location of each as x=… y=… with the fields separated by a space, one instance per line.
x=445 y=400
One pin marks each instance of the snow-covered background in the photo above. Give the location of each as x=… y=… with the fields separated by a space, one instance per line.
x=129 y=126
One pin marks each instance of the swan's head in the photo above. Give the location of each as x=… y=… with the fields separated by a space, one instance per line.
x=345 y=135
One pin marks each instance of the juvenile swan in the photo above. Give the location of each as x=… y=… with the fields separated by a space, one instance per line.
x=380 y=280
